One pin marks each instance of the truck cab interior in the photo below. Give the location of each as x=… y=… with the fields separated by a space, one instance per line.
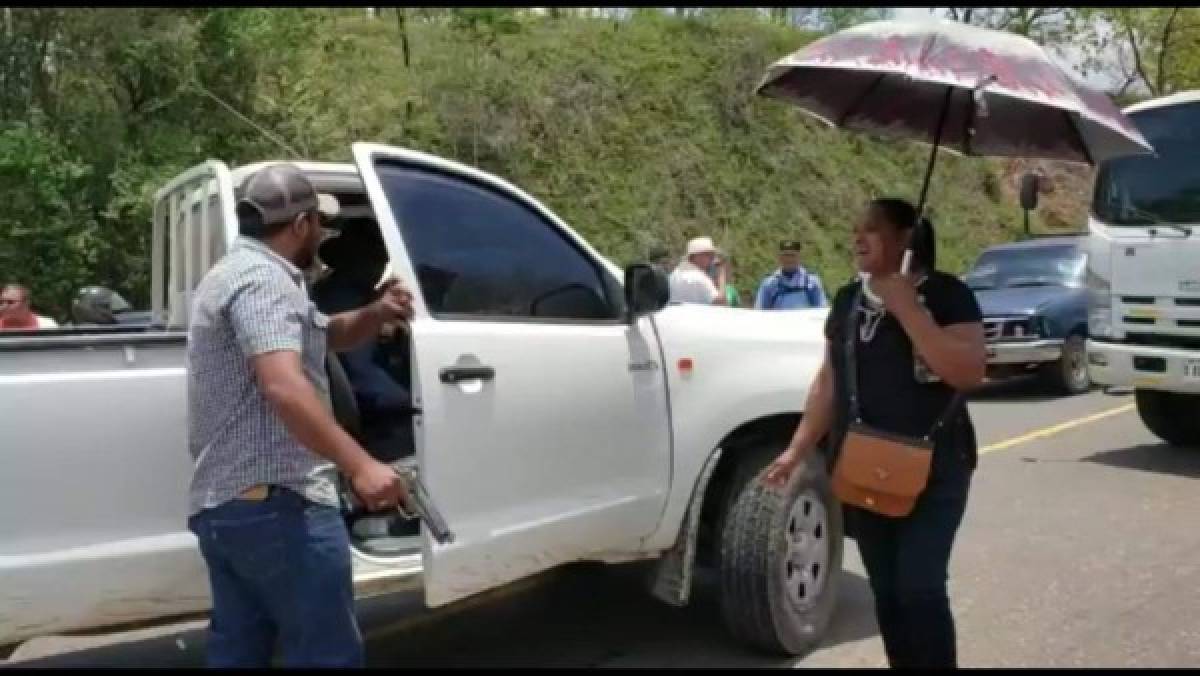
x=370 y=387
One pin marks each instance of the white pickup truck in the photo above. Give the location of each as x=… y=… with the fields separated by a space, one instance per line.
x=564 y=413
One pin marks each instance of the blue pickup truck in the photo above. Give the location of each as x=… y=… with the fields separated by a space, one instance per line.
x=1034 y=303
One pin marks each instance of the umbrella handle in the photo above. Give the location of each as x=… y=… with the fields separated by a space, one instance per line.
x=905 y=266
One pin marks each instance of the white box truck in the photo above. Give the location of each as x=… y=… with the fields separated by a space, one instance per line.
x=1144 y=270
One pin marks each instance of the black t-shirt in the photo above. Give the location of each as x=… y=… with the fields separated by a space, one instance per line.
x=890 y=396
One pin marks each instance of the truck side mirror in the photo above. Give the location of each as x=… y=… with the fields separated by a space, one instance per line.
x=1029 y=191
x=646 y=291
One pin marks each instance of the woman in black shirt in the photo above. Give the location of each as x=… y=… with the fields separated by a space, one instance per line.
x=923 y=342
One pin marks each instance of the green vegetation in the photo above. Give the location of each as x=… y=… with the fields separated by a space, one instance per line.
x=635 y=132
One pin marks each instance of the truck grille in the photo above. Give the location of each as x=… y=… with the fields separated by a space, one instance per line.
x=1162 y=340
x=992 y=330
x=1176 y=317
x=996 y=329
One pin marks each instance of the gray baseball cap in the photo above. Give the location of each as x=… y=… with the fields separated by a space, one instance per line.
x=276 y=194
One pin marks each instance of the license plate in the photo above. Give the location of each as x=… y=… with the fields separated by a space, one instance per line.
x=1191 y=369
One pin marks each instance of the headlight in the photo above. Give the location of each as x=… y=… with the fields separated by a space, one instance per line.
x=1100 y=323
x=1099 y=306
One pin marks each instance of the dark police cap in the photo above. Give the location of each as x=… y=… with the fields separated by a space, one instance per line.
x=789 y=246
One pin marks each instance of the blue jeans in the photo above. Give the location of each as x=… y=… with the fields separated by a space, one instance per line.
x=907 y=561
x=280 y=574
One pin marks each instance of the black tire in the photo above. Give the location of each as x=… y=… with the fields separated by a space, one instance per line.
x=1172 y=417
x=759 y=606
x=1070 y=374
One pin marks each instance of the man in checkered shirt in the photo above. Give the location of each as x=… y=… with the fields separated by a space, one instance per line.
x=263 y=503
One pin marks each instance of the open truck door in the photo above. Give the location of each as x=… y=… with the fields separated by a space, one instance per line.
x=195 y=224
x=543 y=434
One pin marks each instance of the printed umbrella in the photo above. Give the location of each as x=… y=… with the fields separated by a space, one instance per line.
x=972 y=90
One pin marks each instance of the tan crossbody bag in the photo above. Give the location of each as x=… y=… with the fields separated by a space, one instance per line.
x=876 y=470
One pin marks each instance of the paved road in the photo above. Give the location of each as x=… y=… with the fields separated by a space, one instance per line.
x=1080 y=548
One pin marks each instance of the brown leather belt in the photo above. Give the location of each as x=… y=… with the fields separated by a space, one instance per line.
x=256 y=493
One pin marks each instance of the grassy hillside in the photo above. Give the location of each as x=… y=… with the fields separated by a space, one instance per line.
x=636 y=132
x=646 y=131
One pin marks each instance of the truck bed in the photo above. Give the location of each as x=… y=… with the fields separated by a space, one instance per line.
x=96 y=471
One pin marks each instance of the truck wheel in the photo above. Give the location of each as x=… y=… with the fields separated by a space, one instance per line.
x=781 y=557
x=1070 y=373
x=1171 y=416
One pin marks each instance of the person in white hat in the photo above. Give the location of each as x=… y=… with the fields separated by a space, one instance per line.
x=690 y=282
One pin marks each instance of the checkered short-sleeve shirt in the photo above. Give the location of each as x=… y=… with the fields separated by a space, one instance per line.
x=252 y=302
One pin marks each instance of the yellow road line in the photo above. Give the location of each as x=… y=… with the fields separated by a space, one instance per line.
x=1051 y=431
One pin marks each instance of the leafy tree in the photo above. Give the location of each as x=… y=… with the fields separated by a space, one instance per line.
x=638 y=127
x=1049 y=26
x=1156 y=48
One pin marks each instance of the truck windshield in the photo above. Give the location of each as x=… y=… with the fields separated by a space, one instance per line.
x=1144 y=190
x=1041 y=266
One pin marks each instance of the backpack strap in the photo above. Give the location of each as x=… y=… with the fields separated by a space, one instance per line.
x=780 y=290
x=811 y=291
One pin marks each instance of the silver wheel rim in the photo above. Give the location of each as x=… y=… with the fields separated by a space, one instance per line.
x=805 y=565
x=1077 y=366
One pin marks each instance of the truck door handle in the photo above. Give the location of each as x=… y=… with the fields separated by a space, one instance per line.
x=454 y=375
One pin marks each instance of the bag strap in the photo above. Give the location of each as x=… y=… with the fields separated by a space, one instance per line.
x=851 y=350
x=947 y=415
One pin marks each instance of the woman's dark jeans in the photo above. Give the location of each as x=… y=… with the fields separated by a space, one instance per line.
x=907 y=560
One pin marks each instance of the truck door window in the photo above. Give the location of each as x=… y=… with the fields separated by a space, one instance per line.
x=478 y=253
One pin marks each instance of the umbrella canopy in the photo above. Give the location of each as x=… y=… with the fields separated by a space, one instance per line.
x=972 y=90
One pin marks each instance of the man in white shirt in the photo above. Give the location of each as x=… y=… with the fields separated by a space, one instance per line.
x=690 y=282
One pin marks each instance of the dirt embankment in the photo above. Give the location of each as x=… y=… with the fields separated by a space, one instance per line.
x=1062 y=205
